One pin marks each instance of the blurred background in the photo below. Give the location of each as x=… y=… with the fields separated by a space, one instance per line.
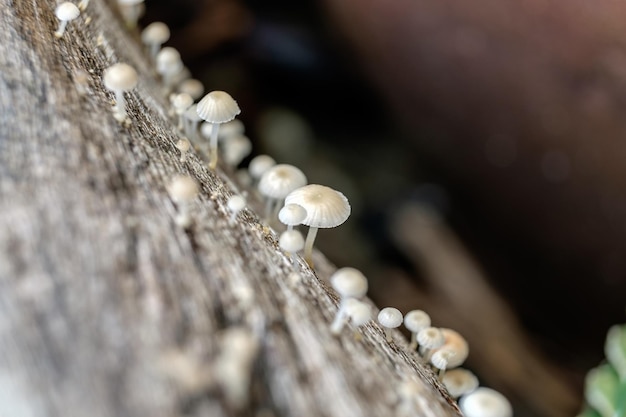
x=482 y=147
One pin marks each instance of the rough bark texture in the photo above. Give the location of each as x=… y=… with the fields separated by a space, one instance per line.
x=107 y=308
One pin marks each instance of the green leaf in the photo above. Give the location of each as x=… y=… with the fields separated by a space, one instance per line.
x=589 y=412
x=601 y=387
x=615 y=349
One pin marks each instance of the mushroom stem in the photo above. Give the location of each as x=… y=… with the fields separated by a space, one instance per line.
x=120 y=104
x=154 y=50
x=215 y=128
x=340 y=318
x=388 y=335
x=308 y=245
x=413 y=345
x=61 y=30
x=183 y=219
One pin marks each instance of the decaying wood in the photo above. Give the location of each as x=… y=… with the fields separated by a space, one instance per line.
x=107 y=308
x=459 y=296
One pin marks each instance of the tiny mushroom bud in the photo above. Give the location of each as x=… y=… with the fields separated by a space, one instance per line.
x=291 y=241
x=65 y=12
x=183 y=146
x=459 y=382
x=236 y=148
x=181 y=102
x=259 y=164
x=440 y=360
x=277 y=182
x=131 y=11
x=429 y=338
x=349 y=283
x=217 y=107
x=291 y=215
x=193 y=87
x=235 y=204
x=325 y=208
x=154 y=35
x=183 y=189
x=485 y=402
x=168 y=65
x=389 y=318
x=120 y=78
x=415 y=321
x=359 y=313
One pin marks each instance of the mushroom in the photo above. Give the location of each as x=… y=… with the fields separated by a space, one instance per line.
x=459 y=382
x=291 y=241
x=325 y=208
x=429 y=338
x=183 y=189
x=181 y=102
x=217 y=107
x=65 y=12
x=183 y=145
x=440 y=360
x=389 y=318
x=120 y=78
x=414 y=321
x=191 y=121
x=276 y=183
x=291 y=215
x=193 y=87
x=359 y=313
x=83 y=5
x=235 y=204
x=454 y=342
x=236 y=148
x=168 y=65
x=349 y=283
x=259 y=164
x=485 y=402
x=154 y=35
x=131 y=11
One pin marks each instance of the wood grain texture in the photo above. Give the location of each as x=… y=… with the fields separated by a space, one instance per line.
x=107 y=308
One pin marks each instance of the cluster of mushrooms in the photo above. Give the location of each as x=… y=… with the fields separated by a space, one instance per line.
x=289 y=199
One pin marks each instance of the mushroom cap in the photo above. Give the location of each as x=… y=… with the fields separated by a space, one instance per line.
x=349 y=282
x=416 y=320
x=183 y=188
x=182 y=101
x=358 y=312
x=192 y=114
x=67 y=11
x=430 y=338
x=324 y=206
x=441 y=358
x=193 y=87
x=236 y=203
x=236 y=148
x=218 y=107
x=278 y=181
x=456 y=343
x=168 y=61
x=291 y=241
x=233 y=128
x=292 y=214
x=259 y=164
x=390 y=317
x=155 y=33
x=183 y=144
x=485 y=402
x=459 y=382
x=120 y=76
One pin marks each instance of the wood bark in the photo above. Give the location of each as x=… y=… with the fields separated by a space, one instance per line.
x=107 y=308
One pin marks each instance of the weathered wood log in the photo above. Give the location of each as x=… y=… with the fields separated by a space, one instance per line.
x=107 y=308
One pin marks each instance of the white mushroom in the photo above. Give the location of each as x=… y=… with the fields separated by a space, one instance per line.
x=235 y=204
x=236 y=148
x=183 y=189
x=65 y=12
x=193 y=87
x=259 y=164
x=359 y=313
x=454 y=342
x=183 y=145
x=459 y=382
x=389 y=318
x=83 y=5
x=276 y=183
x=168 y=65
x=440 y=360
x=154 y=35
x=485 y=402
x=348 y=283
x=414 y=321
x=429 y=338
x=291 y=215
x=120 y=78
x=291 y=241
x=325 y=208
x=191 y=122
x=217 y=107
x=131 y=11
x=233 y=128
x=181 y=102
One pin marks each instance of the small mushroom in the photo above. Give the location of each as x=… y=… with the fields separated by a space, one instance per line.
x=183 y=145
x=65 y=12
x=349 y=283
x=325 y=208
x=193 y=87
x=181 y=102
x=168 y=65
x=414 y=321
x=258 y=165
x=291 y=241
x=236 y=148
x=359 y=314
x=235 y=204
x=291 y=215
x=183 y=189
x=191 y=121
x=276 y=184
x=217 y=107
x=485 y=402
x=131 y=11
x=459 y=382
x=429 y=338
x=440 y=360
x=454 y=342
x=389 y=318
x=83 y=5
x=120 y=78
x=154 y=35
